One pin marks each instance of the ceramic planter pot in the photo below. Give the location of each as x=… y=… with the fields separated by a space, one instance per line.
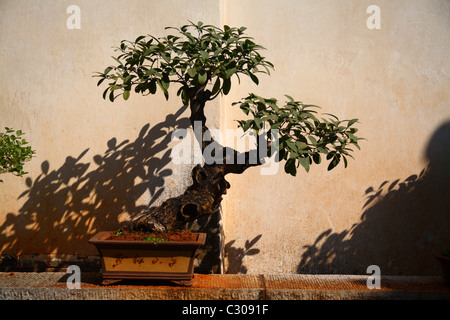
x=124 y=259
x=445 y=264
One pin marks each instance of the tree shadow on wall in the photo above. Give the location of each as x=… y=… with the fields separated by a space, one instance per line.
x=403 y=224
x=64 y=207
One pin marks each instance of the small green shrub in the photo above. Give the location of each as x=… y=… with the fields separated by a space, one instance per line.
x=14 y=152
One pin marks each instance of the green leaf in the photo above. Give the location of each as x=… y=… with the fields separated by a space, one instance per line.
x=226 y=86
x=258 y=122
x=301 y=145
x=351 y=122
x=230 y=72
x=139 y=39
x=204 y=55
x=202 y=77
x=166 y=57
x=254 y=78
x=289 y=97
x=115 y=87
x=184 y=98
x=334 y=162
x=248 y=124
x=290 y=168
x=165 y=81
x=332 y=115
x=192 y=72
x=105 y=92
x=100 y=81
x=316 y=158
x=313 y=140
x=107 y=70
x=152 y=86
x=216 y=87
x=305 y=163
x=291 y=145
x=244 y=107
x=352 y=137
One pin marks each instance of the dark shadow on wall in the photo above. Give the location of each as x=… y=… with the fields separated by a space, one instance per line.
x=208 y=256
x=235 y=255
x=65 y=206
x=403 y=224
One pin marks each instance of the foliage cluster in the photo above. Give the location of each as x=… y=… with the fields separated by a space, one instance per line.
x=204 y=59
x=14 y=152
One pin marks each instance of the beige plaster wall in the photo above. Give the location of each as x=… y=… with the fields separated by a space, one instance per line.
x=87 y=173
x=96 y=161
x=396 y=81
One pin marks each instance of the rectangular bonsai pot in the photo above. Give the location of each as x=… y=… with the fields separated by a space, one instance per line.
x=122 y=259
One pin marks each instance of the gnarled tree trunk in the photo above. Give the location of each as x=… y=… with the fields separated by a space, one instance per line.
x=204 y=196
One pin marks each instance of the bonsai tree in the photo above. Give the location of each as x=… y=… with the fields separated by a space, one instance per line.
x=203 y=61
x=13 y=152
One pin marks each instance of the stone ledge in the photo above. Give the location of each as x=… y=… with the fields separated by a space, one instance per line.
x=52 y=286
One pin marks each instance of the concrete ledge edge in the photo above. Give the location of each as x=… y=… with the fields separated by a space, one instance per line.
x=53 y=286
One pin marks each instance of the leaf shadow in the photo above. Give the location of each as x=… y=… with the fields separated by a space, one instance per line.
x=403 y=223
x=63 y=207
x=235 y=255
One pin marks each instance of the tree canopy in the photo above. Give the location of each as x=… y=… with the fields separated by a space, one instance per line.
x=197 y=56
x=14 y=152
x=203 y=60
